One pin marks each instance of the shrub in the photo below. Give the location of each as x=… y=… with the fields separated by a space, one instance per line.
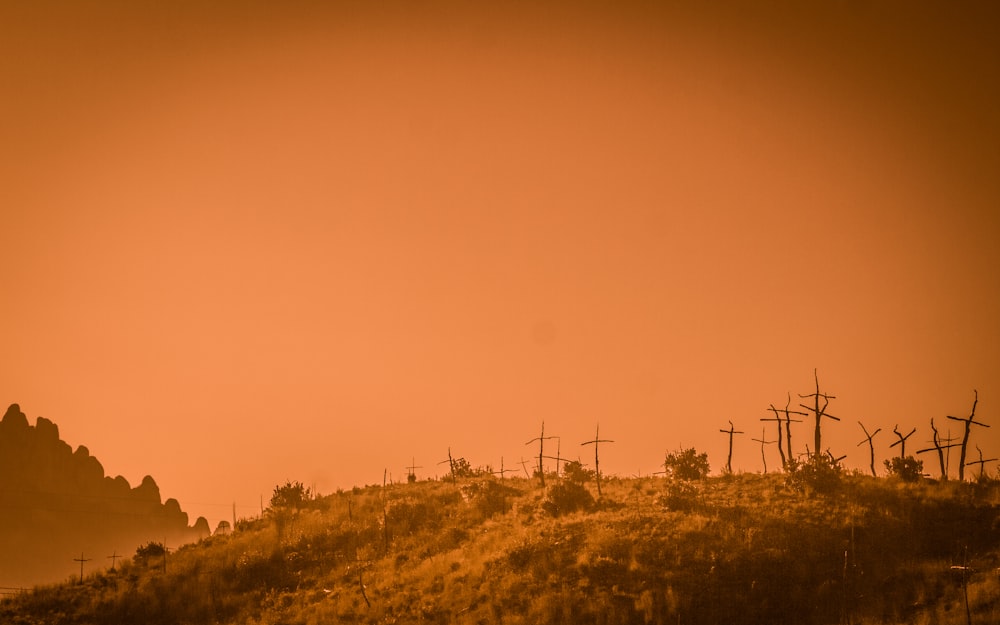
x=680 y=495
x=574 y=472
x=291 y=495
x=686 y=464
x=150 y=554
x=908 y=469
x=566 y=497
x=818 y=474
x=489 y=496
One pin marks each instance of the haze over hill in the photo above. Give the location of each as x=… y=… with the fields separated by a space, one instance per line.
x=56 y=503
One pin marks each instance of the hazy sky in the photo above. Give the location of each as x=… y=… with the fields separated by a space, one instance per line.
x=270 y=241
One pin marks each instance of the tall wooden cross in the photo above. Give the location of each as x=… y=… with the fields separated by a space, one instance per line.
x=81 y=560
x=541 y=452
x=965 y=439
x=411 y=475
x=902 y=440
x=818 y=411
x=940 y=445
x=597 y=463
x=763 y=441
x=871 y=446
x=729 y=460
x=981 y=462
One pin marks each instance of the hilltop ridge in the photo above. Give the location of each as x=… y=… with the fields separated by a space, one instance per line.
x=737 y=549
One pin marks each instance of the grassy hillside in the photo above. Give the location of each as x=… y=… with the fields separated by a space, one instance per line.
x=731 y=549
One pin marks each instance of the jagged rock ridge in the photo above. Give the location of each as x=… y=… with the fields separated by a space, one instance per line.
x=56 y=503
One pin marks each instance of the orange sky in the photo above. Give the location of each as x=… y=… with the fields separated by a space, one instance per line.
x=275 y=241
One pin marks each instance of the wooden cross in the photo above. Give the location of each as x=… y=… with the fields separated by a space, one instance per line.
x=763 y=441
x=817 y=410
x=834 y=460
x=410 y=470
x=541 y=453
x=558 y=456
x=732 y=430
x=981 y=462
x=597 y=466
x=937 y=442
x=114 y=556
x=965 y=440
x=871 y=445
x=502 y=470
x=524 y=465
x=781 y=451
x=902 y=440
x=451 y=465
x=81 y=560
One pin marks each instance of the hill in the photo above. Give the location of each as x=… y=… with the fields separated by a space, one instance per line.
x=735 y=549
x=56 y=503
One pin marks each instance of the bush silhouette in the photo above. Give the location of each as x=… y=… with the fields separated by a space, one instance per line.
x=908 y=469
x=686 y=464
x=817 y=474
x=574 y=472
x=291 y=495
x=566 y=497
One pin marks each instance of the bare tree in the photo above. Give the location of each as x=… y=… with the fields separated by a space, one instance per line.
x=729 y=460
x=818 y=411
x=597 y=464
x=871 y=445
x=965 y=439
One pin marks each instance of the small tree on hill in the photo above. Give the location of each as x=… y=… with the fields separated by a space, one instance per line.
x=291 y=496
x=907 y=468
x=686 y=464
x=818 y=473
x=574 y=471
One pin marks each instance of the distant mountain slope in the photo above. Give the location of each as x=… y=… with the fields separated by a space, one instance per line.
x=56 y=503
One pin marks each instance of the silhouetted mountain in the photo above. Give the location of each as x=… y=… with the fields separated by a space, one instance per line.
x=56 y=503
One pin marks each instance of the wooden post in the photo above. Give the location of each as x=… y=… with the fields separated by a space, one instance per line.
x=818 y=411
x=541 y=452
x=597 y=464
x=114 y=556
x=729 y=460
x=385 y=513
x=81 y=560
x=871 y=446
x=902 y=441
x=965 y=439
